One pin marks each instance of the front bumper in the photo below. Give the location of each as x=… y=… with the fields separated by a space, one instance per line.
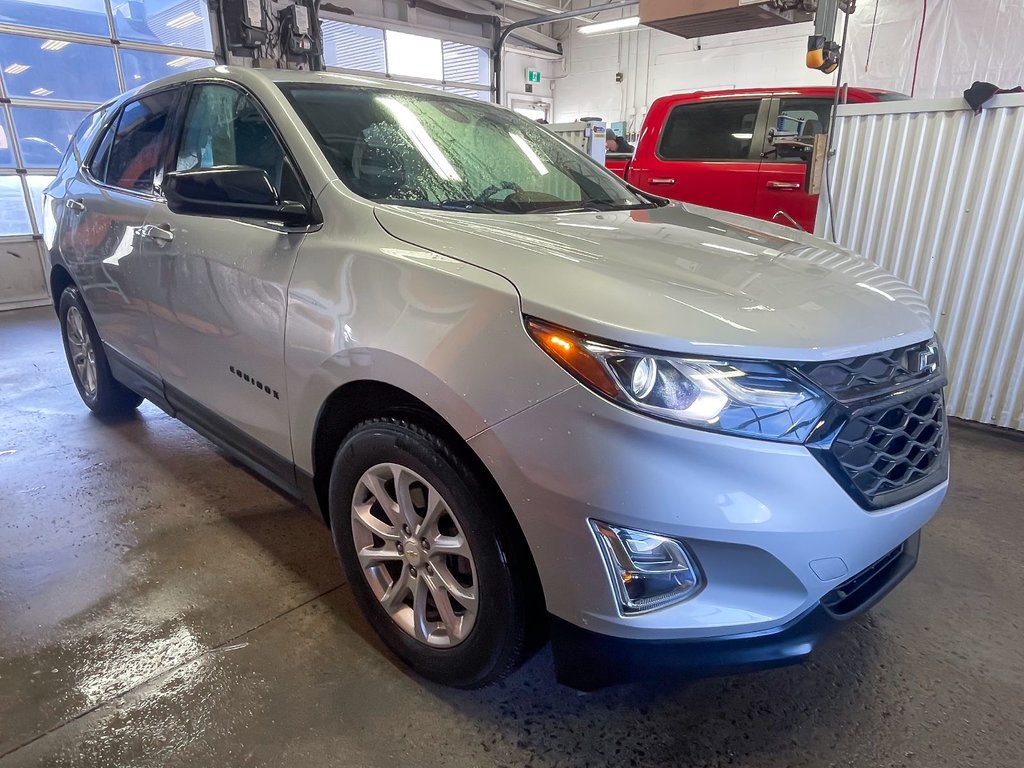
x=772 y=531
x=588 y=661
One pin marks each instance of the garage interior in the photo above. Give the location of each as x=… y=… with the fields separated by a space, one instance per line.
x=161 y=605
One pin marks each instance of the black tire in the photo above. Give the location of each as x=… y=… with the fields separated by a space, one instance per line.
x=106 y=396
x=499 y=639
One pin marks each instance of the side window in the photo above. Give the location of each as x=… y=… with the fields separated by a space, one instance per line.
x=139 y=143
x=224 y=127
x=800 y=120
x=720 y=130
x=98 y=164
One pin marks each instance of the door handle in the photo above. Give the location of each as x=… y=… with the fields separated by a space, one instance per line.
x=159 y=234
x=784 y=185
x=77 y=206
x=662 y=181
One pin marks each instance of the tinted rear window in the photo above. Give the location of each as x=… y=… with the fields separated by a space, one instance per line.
x=721 y=130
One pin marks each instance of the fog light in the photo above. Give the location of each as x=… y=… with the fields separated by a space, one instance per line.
x=649 y=571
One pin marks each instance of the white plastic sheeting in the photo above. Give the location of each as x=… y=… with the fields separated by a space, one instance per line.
x=962 y=42
x=935 y=194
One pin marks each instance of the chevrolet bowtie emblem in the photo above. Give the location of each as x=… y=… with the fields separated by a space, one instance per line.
x=925 y=360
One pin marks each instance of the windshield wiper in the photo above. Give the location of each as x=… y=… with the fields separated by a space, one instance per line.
x=598 y=204
x=466 y=206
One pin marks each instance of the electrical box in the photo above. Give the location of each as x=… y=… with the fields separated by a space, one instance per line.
x=586 y=135
x=703 y=18
x=245 y=24
x=299 y=36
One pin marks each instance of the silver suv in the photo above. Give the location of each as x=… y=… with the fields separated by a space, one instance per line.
x=530 y=401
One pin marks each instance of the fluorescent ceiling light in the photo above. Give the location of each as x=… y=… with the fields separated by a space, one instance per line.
x=530 y=154
x=743 y=136
x=184 y=20
x=16 y=69
x=54 y=45
x=181 y=61
x=422 y=140
x=615 y=25
x=40 y=92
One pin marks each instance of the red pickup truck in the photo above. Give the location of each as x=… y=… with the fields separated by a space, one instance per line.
x=719 y=149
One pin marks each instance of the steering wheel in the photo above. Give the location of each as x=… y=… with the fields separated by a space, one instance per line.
x=494 y=189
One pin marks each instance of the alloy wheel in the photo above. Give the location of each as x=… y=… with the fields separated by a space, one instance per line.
x=414 y=555
x=83 y=356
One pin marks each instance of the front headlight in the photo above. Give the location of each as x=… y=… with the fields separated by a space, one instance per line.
x=740 y=397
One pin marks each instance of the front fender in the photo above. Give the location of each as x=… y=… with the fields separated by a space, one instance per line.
x=445 y=332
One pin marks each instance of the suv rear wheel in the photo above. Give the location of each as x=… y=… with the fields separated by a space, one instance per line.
x=427 y=552
x=90 y=370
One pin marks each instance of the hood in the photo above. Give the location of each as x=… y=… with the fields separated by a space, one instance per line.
x=682 y=279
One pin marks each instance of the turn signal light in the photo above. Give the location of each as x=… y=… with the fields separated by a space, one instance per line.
x=569 y=351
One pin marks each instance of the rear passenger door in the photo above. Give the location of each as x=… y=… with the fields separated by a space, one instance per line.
x=102 y=233
x=708 y=153
x=782 y=194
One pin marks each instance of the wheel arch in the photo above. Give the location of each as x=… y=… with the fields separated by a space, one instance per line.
x=356 y=401
x=60 y=279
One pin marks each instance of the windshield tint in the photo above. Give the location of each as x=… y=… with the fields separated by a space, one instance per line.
x=437 y=151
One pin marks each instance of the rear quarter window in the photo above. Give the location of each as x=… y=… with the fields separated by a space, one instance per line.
x=721 y=130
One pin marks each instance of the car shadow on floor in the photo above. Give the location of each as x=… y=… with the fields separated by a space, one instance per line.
x=761 y=716
x=758 y=718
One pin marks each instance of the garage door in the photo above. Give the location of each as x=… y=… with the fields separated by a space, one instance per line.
x=57 y=63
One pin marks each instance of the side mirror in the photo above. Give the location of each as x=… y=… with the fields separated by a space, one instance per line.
x=232 y=191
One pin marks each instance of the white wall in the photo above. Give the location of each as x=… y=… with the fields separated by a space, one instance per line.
x=962 y=42
x=513 y=76
x=655 y=64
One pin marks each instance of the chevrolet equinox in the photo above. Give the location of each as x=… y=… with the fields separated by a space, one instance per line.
x=531 y=401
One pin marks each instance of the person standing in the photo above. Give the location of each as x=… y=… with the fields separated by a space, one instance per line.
x=615 y=143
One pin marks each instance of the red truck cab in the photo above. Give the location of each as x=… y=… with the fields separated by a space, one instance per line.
x=717 y=148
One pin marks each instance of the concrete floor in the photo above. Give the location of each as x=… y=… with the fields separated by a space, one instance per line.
x=159 y=606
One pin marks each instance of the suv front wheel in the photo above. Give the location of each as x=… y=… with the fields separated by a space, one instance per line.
x=428 y=554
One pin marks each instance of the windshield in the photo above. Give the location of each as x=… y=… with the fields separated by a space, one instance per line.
x=432 y=151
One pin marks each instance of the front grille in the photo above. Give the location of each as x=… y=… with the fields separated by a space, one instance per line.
x=895 y=451
x=857 y=378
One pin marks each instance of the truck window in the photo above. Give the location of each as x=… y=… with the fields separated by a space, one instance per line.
x=802 y=119
x=710 y=131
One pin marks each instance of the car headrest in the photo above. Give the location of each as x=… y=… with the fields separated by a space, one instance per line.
x=378 y=171
x=812 y=128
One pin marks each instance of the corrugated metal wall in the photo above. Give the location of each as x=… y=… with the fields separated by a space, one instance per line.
x=935 y=194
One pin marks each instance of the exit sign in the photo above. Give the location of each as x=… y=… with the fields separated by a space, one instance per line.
x=533 y=75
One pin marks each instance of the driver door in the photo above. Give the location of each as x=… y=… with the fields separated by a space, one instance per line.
x=220 y=315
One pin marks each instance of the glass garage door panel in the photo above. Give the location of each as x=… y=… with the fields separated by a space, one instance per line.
x=36 y=68
x=352 y=46
x=43 y=134
x=413 y=55
x=466 y=63
x=88 y=17
x=36 y=184
x=141 y=67
x=14 y=218
x=182 y=24
x=6 y=143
